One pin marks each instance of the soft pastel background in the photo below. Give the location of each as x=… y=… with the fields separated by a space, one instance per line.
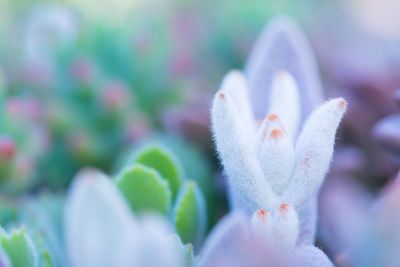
x=82 y=82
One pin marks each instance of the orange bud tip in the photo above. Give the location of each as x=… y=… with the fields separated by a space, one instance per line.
x=276 y=134
x=221 y=95
x=262 y=213
x=272 y=117
x=284 y=207
x=342 y=104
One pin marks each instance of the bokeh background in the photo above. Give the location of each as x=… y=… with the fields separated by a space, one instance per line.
x=82 y=82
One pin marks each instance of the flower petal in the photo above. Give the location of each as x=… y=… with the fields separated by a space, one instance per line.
x=275 y=153
x=238 y=155
x=314 y=152
x=262 y=224
x=282 y=45
x=234 y=84
x=284 y=101
x=280 y=229
x=286 y=226
x=308 y=221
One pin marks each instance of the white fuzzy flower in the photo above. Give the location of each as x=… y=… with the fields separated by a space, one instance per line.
x=256 y=120
x=263 y=168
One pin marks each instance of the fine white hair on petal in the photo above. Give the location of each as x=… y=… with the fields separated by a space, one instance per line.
x=238 y=155
x=282 y=45
x=99 y=227
x=311 y=256
x=286 y=226
x=275 y=153
x=270 y=122
x=314 y=151
x=308 y=221
x=261 y=224
x=284 y=101
x=234 y=84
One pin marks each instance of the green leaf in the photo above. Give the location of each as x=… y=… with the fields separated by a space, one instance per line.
x=190 y=214
x=144 y=189
x=162 y=160
x=197 y=167
x=19 y=248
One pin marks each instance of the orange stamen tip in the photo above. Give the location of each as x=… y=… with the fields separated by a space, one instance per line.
x=342 y=104
x=284 y=207
x=276 y=134
x=272 y=117
x=221 y=95
x=262 y=213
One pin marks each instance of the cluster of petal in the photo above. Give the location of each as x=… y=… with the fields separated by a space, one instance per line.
x=279 y=227
x=264 y=169
x=256 y=118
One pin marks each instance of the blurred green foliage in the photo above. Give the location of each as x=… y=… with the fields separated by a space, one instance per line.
x=146 y=181
x=82 y=83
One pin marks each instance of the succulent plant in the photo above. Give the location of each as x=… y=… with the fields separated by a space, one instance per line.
x=264 y=169
x=89 y=92
x=101 y=230
x=153 y=181
x=18 y=249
